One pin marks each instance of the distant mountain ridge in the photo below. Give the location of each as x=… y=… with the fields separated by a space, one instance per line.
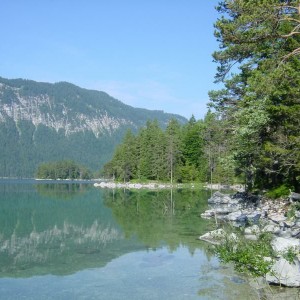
x=46 y=122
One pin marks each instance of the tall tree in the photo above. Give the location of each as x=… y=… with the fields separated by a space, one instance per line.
x=173 y=151
x=261 y=99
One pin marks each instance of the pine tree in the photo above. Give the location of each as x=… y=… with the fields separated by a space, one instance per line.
x=261 y=99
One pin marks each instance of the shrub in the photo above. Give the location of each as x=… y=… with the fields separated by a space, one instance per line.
x=255 y=258
x=281 y=191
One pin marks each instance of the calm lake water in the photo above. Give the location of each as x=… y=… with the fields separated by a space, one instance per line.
x=74 y=241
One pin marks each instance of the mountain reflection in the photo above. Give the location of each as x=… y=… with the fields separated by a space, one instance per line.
x=40 y=234
x=40 y=246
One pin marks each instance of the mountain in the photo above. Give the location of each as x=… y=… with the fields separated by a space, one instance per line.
x=41 y=122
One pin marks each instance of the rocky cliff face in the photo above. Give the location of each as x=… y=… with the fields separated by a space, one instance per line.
x=54 y=113
x=44 y=122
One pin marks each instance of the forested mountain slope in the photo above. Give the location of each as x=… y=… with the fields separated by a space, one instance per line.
x=47 y=122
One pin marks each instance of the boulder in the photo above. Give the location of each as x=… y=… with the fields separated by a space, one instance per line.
x=285 y=233
x=242 y=218
x=234 y=216
x=274 y=229
x=277 y=218
x=296 y=232
x=251 y=237
x=219 y=198
x=225 y=209
x=281 y=244
x=217 y=236
x=254 y=217
x=289 y=224
x=294 y=196
x=252 y=230
x=285 y=273
x=214 y=237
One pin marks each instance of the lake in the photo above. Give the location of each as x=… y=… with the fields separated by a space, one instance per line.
x=74 y=241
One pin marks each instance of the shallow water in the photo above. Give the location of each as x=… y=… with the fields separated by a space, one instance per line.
x=73 y=241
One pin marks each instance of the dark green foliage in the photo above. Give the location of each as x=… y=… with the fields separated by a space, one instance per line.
x=193 y=142
x=281 y=191
x=180 y=153
x=25 y=143
x=260 y=104
x=140 y=157
x=62 y=170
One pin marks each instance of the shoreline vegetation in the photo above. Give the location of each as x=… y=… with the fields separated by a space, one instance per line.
x=258 y=235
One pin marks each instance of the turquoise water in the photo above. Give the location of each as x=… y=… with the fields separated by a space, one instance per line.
x=73 y=241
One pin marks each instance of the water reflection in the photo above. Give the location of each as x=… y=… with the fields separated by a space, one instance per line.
x=40 y=233
x=62 y=191
x=107 y=244
x=56 y=241
x=156 y=217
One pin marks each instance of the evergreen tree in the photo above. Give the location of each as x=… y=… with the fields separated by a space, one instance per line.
x=261 y=100
x=173 y=148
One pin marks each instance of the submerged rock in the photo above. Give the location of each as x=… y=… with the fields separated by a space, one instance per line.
x=214 y=237
x=217 y=236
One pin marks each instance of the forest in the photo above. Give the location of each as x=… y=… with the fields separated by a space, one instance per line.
x=194 y=151
x=251 y=133
x=31 y=131
x=65 y=169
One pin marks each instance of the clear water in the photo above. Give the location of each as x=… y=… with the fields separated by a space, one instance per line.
x=73 y=241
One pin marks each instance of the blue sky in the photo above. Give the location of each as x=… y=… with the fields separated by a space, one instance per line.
x=153 y=54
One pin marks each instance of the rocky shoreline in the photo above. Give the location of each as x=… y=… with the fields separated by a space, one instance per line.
x=127 y=185
x=257 y=214
x=160 y=185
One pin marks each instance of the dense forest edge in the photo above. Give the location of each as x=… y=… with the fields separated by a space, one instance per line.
x=252 y=133
x=178 y=154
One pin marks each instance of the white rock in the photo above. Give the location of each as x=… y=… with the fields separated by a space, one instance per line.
x=234 y=215
x=275 y=229
x=289 y=224
x=214 y=237
x=208 y=214
x=251 y=237
x=252 y=230
x=277 y=218
x=280 y=244
x=285 y=273
x=219 y=198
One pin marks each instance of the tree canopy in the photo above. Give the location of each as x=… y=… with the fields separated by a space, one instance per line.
x=180 y=153
x=252 y=132
x=65 y=169
x=258 y=63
